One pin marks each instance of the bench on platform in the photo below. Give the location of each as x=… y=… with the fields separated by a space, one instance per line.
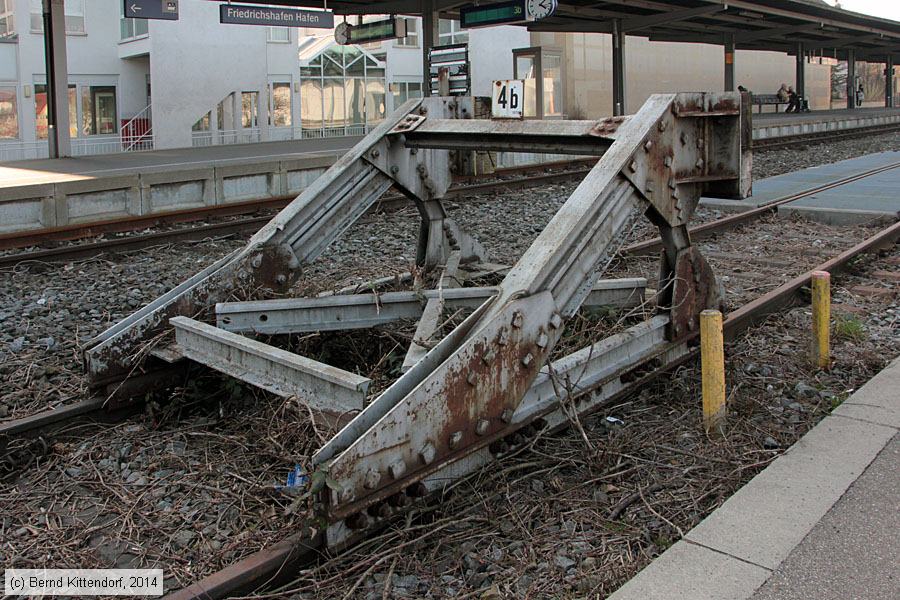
x=761 y=100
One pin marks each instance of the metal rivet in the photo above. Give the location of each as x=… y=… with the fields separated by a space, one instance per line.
x=648 y=145
x=455 y=439
x=542 y=340
x=662 y=125
x=633 y=166
x=672 y=184
x=667 y=161
x=373 y=478
x=395 y=169
x=555 y=321
x=397 y=469
x=518 y=319
x=507 y=415
x=528 y=359
x=699 y=164
x=470 y=378
x=427 y=453
x=346 y=495
x=281 y=279
x=482 y=426
x=257 y=261
x=650 y=186
x=503 y=336
x=375 y=153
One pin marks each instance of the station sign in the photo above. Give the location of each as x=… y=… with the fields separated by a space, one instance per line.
x=509 y=12
x=450 y=61
x=507 y=99
x=151 y=9
x=375 y=31
x=233 y=14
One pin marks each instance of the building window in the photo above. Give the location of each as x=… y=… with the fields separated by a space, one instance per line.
x=202 y=123
x=131 y=28
x=280 y=115
x=404 y=90
x=98 y=110
x=41 y=120
x=412 y=34
x=551 y=65
x=73 y=9
x=7 y=20
x=249 y=110
x=278 y=34
x=9 y=116
x=449 y=32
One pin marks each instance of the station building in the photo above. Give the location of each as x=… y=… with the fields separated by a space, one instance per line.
x=139 y=85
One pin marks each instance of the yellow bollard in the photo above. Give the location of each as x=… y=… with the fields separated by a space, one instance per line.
x=712 y=360
x=821 y=318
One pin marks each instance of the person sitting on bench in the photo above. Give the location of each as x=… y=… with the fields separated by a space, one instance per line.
x=782 y=93
x=793 y=101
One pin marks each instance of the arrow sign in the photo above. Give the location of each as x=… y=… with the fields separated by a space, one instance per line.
x=151 y=9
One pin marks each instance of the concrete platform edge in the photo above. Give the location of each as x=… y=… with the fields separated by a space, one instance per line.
x=733 y=552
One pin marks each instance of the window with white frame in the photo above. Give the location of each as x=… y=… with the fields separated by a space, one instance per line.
x=278 y=34
x=131 y=28
x=404 y=90
x=7 y=19
x=280 y=112
x=74 y=12
x=412 y=34
x=449 y=32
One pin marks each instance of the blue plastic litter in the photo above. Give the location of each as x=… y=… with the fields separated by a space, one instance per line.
x=297 y=478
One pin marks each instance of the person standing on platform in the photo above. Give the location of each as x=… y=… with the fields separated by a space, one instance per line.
x=793 y=101
x=860 y=95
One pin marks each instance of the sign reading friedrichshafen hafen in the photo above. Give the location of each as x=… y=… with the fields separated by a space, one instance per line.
x=275 y=17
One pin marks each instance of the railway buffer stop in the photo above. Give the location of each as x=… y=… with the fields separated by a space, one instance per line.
x=490 y=381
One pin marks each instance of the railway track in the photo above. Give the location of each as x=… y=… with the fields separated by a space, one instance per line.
x=251 y=215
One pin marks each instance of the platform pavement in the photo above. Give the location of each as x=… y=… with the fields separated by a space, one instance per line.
x=871 y=198
x=822 y=115
x=39 y=171
x=821 y=521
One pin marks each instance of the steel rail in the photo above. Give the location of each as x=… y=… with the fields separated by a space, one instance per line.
x=786 y=141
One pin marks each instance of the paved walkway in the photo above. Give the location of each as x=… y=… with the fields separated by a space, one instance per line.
x=821 y=522
x=29 y=172
x=821 y=115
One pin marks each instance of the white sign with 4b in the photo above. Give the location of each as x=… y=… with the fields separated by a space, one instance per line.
x=507 y=99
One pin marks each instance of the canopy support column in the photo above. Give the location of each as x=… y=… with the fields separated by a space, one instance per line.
x=729 y=62
x=800 y=83
x=889 y=82
x=430 y=22
x=851 y=78
x=58 y=140
x=618 y=67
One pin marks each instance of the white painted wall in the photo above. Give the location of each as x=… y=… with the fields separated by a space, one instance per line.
x=490 y=52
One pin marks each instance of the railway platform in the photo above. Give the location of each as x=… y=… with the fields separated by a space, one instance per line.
x=818 y=522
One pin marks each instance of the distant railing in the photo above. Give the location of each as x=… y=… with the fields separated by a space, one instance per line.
x=202 y=139
x=89 y=146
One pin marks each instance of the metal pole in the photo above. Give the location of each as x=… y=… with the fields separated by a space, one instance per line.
x=851 y=79
x=889 y=82
x=729 y=63
x=618 y=68
x=430 y=29
x=800 y=81
x=58 y=141
x=821 y=318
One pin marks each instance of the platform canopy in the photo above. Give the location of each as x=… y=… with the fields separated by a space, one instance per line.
x=752 y=25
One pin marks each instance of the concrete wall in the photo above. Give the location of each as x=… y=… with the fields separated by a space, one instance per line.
x=658 y=67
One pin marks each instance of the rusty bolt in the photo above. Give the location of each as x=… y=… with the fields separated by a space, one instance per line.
x=518 y=319
x=488 y=356
x=257 y=261
x=395 y=169
x=423 y=110
x=373 y=478
x=397 y=469
x=528 y=359
x=672 y=184
x=346 y=495
x=455 y=439
x=542 y=340
x=667 y=161
x=427 y=453
x=633 y=166
x=648 y=145
x=376 y=153
x=662 y=125
x=470 y=378
x=503 y=336
x=482 y=426
x=650 y=186
x=507 y=415
x=357 y=521
x=683 y=138
x=555 y=321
